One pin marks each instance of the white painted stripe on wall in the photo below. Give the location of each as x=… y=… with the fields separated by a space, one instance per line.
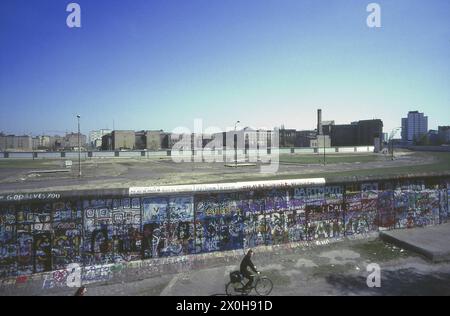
x=225 y=186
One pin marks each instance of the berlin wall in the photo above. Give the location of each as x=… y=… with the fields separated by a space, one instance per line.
x=89 y=236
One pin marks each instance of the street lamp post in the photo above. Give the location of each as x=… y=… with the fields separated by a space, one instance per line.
x=79 y=148
x=324 y=163
x=392 y=149
x=391 y=140
x=235 y=144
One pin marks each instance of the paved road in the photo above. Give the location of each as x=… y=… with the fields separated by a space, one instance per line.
x=334 y=269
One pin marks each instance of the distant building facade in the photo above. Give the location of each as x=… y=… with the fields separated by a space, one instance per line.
x=95 y=137
x=56 y=142
x=151 y=140
x=291 y=138
x=165 y=139
x=13 y=142
x=45 y=142
x=368 y=131
x=70 y=141
x=123 y=140
x=287 y=137
x=154 y=140
x=303 y=138
x=35 y=143
x=323 y=132
x=432 y=137
x=361 y=133
x=414 y=127
x=444 y=134
x=320 y=141
x=119 y=140
x=246 y=138
x=107 y=143
x=326 y=127
x=140 y=140
x=343 y=135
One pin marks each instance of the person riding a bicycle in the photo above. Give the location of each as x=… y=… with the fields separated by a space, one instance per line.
x=262 y=284
x=244 y=269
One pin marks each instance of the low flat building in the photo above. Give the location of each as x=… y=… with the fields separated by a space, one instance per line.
x=367 y=131
x=247 y=138
x=153 y=140
x=35 y=143
x=123 y=140
x=56 y=142
x=287 y=138
x=140 y=140
x=361 y=133
x=70 y=141
x=119 y=140
x=343 y=135
x=107 y=143
x=165 y=139
x=303 y=138
x=13 y=142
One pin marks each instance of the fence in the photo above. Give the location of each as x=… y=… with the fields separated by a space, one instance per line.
x=166 y=153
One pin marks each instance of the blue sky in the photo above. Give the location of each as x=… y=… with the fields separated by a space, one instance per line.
x=161 y=64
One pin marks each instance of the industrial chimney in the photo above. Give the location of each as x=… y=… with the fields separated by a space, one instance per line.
x=319 y=122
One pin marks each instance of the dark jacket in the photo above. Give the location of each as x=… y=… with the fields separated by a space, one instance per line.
x=247 y=263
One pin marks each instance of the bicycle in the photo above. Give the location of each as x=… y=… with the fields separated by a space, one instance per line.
x=261 y=284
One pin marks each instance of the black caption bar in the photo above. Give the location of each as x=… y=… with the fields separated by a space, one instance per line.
x=224 y=305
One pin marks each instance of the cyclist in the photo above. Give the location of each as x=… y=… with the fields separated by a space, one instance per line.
x=245 y=264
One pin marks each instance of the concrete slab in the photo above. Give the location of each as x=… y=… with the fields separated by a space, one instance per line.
x=433 y=242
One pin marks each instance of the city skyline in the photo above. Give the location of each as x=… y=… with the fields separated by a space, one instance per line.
x=160 y=65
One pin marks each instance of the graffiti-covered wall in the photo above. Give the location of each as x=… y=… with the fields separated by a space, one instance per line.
x=39 y=236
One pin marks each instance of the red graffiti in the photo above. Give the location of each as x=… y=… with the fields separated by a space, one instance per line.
x=21 y=279
x=59 y=276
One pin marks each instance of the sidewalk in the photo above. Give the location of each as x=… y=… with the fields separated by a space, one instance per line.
x=433 y=242
x=338 y=268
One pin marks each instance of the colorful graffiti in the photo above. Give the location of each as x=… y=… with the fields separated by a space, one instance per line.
x=75 y=275
x=168 y=226
x=219 y=224
x=95 y=234
x=181 y=227
x=251 y=206
x=68 y=230
x=111 y=231
x=8 y=243
x=386 y=213
x=360 y=214
x=324 y=221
